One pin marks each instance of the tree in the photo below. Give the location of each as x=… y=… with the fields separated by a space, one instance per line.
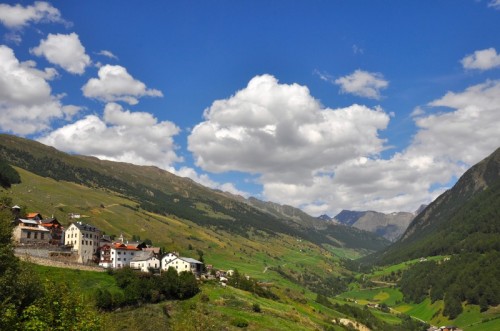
x=452 y=306
x=8 y=175
x=103 y=299
x=188 y=286
x=169 y=283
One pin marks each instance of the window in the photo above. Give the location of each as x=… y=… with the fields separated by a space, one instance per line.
x=83 y=241
x=42 y=236
x=36 y=235
x=28 y=235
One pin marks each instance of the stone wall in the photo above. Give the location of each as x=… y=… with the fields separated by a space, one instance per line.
x=53 y=257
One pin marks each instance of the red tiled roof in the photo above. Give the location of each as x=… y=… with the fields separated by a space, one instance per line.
x=126 y=247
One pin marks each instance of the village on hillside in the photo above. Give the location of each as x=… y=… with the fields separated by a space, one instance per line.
x=84 y=244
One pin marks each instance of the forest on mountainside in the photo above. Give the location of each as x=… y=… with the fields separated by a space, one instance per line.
x=468 y=277
x=472 y=273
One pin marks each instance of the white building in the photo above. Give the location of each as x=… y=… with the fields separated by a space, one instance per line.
x=180 y=263
x=84 y=238
x=145 y=261
x=117 y=255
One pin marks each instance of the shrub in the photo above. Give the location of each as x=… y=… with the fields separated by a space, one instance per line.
x=256 y=308
x=240 y=322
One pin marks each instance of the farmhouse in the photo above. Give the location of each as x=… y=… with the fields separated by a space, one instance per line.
x=30 y=232
x=145 y=261
x=181 y=263
x=84 y=240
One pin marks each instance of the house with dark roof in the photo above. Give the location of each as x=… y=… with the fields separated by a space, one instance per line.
x=84 y=240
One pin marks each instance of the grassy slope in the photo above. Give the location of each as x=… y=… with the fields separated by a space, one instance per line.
x=471 y=319
x=115 y=214
x=252 y=255
x=224 y=305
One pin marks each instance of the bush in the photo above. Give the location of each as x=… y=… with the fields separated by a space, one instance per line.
x=256 y=308
x=240 y=322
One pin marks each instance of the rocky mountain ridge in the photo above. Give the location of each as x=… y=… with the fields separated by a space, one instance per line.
x=390 y=226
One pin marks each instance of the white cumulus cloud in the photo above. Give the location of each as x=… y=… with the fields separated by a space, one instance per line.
x=64 y=50
x=114 y=83
x=17 y=16
x=282 y=133
x=363 y=83
x=324 y=160
x=120 y=135
x=26 y=103
x=482 y=60
x=446 y=144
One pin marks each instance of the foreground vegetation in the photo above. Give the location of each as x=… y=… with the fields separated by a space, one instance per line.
x=28 y=302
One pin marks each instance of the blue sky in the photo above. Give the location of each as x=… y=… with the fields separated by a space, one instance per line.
x=323 y=105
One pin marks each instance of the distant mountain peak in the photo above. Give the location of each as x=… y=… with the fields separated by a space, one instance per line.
x=325 y=218
x=390 y=226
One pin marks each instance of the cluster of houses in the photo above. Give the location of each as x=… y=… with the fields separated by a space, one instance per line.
x=444 y=328
x=88 y=245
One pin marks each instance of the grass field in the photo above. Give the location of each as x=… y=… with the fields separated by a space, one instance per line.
x=383 y=271
x=492 y=325
x=386 y=295
x=85 y=282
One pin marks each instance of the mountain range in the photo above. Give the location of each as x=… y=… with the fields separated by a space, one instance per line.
x=158 y=191
x=390 y=226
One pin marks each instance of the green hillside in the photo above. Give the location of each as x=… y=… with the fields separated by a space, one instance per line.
x=160 y=192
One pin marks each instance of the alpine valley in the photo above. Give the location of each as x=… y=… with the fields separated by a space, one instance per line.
x=292 y=271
